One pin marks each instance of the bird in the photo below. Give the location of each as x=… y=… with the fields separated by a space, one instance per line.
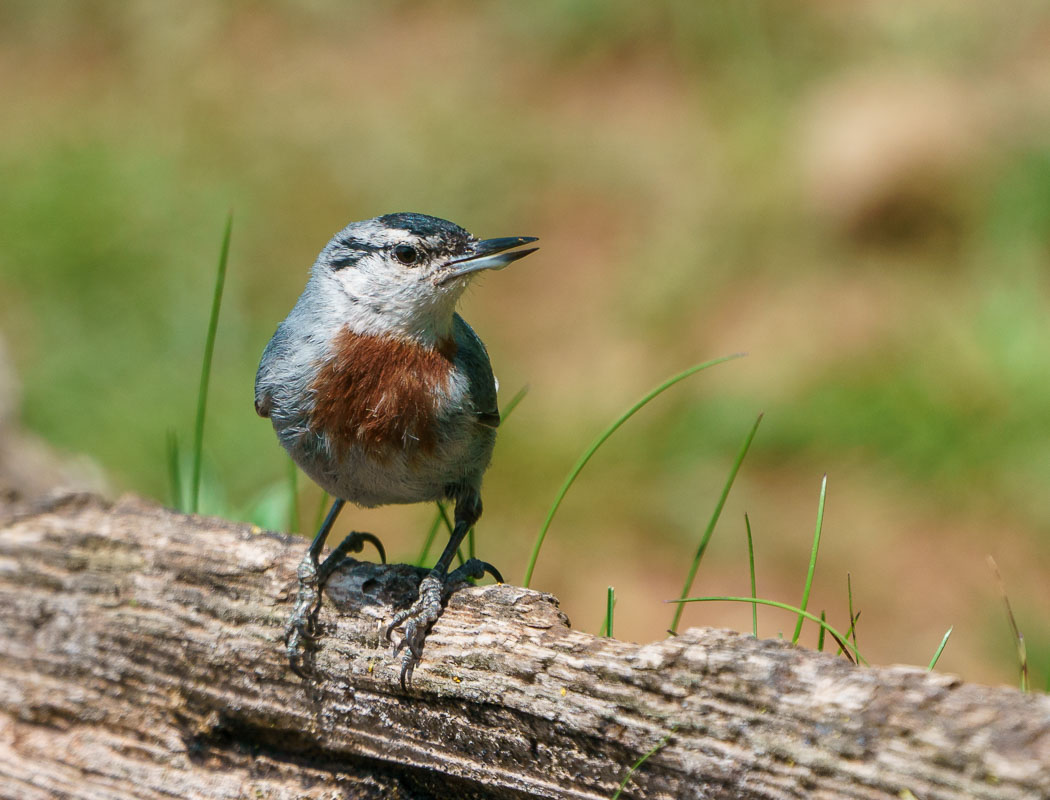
x=381 y=393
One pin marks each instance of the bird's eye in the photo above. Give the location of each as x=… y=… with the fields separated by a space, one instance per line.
x=406 y=254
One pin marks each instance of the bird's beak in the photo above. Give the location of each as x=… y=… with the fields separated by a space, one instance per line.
x=488 y=254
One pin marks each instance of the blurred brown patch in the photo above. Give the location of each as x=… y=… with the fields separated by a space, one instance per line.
x=884 y=154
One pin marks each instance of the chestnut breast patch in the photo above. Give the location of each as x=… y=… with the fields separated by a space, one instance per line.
x=381 y=394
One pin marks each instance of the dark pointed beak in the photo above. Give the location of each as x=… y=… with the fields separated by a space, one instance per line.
x=487 y=254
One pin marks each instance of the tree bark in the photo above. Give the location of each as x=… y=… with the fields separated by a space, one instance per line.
x=141 y=656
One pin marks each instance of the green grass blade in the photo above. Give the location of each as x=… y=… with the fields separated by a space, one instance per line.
x=609 y=431
x=513 y=403
x=812 y=559
x=1022 y=649
x=843 y=642
x=940 y=649
x=610 y=601
x=751 y=568
x=431 y=534
x=293 y=497
x=852 y=632
x=852 y=617
x=634 y=767
x=820 y=634
x=209 y=349
x=174 y=471
x=443 y=513
x=582 y=462
x=710 y=529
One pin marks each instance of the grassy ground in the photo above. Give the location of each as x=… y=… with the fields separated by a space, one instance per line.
x=856 y=194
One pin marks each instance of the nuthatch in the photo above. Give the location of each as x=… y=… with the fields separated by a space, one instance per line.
x=382 y=394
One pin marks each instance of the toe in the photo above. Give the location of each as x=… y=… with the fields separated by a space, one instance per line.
x=408 y=666
x=297 y=657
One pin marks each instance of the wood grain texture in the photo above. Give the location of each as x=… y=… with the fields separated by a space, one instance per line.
x=140 y=657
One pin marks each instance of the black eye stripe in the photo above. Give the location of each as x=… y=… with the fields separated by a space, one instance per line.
x=346 y=260
x=353 y=251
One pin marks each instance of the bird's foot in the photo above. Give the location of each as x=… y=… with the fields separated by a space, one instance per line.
x=300 y=634
x=418 y=618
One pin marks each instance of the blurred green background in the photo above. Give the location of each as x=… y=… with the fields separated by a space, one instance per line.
x=856 y=194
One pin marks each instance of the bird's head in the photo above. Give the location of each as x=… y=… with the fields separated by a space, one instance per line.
x=403 y=273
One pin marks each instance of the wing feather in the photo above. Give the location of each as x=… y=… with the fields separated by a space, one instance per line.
x=474 y=359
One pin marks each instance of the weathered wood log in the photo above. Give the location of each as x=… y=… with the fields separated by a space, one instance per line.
x=141 y=657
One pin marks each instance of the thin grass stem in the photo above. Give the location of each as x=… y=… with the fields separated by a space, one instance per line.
x=751 y=569
x=843 y=642
x=852 y=632
x=820 y=633
x=609 y=431
x=431 y=534
x=852 y=617
x=940 y=649
x=610 y=601
x=713 y=521
x=812 y=559
x=209 y=349
x=1022 y=649
x=443 y=512
x=513 y=403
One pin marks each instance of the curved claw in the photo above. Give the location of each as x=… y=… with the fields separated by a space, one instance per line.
x=305 y=632
x=412 y=644
x=491 y=570
x=407 y=668
x=399 y=617
x=355 y=543
x=368 y=537
x=472 y=569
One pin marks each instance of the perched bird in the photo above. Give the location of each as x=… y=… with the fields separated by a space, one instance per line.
x=382 y=393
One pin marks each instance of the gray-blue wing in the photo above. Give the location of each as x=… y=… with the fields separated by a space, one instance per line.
x=473 y=358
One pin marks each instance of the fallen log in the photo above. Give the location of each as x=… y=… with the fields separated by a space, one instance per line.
x=141 y=657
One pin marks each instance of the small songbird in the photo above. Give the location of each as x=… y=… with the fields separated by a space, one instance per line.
x=382 y=393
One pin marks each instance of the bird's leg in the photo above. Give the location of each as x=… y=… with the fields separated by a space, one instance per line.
x=436 y=586
x=300 y=632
